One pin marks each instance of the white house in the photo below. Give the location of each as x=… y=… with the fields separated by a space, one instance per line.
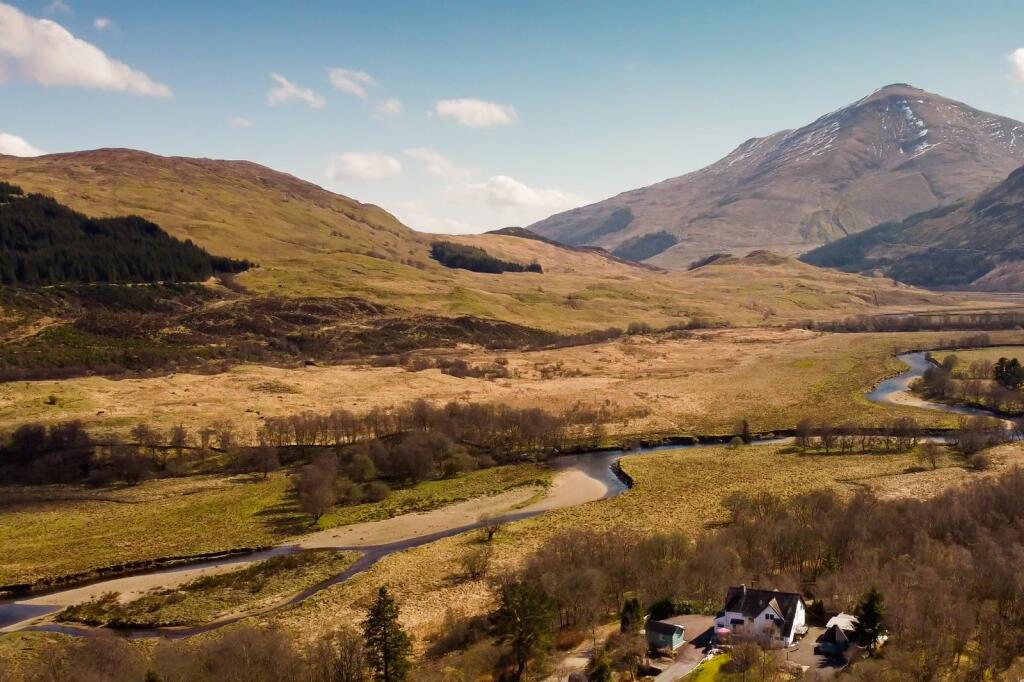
x=770 y=617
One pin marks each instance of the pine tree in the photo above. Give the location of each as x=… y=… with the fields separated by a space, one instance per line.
x=387 y=644
x=870 y=613
x=631 y=618
x=525 y=620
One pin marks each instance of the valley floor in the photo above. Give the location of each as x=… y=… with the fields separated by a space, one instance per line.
x=695 y=383
x=671 y=384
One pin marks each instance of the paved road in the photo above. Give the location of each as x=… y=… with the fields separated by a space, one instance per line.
x=819 y=667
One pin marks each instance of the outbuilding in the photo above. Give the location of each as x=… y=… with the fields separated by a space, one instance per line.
x=664 y=635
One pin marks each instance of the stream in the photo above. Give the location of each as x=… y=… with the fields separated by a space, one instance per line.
x=579 y=478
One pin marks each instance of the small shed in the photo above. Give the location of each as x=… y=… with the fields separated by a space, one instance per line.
x=833 y=642
x=664 y=635
x=838 y=635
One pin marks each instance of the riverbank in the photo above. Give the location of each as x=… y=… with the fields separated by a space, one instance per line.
x=580 y=479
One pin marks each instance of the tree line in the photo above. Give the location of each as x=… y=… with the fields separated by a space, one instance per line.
x=941 y=576
x=913 y=322
x=465 y=257
x=987 y=384
x=366 y=452
x=43 y=242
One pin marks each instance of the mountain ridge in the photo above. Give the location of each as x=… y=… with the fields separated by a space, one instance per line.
x=311 y=243
x=976 y=242
x=893 y=153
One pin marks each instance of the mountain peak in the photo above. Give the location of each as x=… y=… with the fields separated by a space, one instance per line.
x=898 y=151
x=895 y=91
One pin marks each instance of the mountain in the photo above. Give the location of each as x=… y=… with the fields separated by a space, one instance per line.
x=972 y=243
x=312 y=243
x=232 y=208
x=894 y=153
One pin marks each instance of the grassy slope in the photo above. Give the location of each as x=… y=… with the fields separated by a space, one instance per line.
x=55 y=530
x=311 y=242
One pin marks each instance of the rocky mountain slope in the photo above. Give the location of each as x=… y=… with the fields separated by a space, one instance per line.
x=894 y=153
x=977 y=243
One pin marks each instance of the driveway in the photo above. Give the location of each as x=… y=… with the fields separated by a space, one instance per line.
x=698 y=635
x=819 y=667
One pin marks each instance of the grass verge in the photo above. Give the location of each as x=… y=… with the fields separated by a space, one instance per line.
x=204 y=599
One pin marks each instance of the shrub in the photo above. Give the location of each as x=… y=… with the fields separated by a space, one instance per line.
x=979 y=462
x=376 y=491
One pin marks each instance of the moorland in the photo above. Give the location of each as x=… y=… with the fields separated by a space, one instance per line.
x=209 y=450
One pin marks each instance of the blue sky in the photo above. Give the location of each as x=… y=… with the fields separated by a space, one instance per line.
x=506 y=112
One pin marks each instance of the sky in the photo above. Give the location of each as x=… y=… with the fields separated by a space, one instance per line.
x=470 y=116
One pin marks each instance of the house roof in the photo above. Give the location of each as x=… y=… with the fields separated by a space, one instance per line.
x=660 y=627
x=843 y=620
x=834 y=635
x=752 y=602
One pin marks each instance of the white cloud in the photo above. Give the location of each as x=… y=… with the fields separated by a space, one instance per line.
x=511 y=195
x=57 y=7
x=240 y=122
x=436 y=163
x=101 y=23
x=363 y=166
x=1016 y=59
x=389 y=107
x=13 y=145
x=44 y=52
x=286 y=91
x=415 y=215
x=352 y=82
x=476 y=113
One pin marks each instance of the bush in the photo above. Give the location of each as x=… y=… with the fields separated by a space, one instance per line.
x=569 y=638
x=662 y=609
x=376 y=491
x=979 y=462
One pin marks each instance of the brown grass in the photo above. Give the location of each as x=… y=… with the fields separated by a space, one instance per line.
x=681 y=490
x=657 y=386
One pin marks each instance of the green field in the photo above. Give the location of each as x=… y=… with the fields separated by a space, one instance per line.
x=991 y=354
x=49 y=531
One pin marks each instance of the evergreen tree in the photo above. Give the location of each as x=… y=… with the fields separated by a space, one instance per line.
x=631 y=619
x=44 y=242
x=387 y=644
x=870 y=613
x=525 y=620
x=1009 y=373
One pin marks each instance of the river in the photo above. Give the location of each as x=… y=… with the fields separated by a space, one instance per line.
x=578 y=479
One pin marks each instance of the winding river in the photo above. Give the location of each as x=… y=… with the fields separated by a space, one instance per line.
x=578 y=479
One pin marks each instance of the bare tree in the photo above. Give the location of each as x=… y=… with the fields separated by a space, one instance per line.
x=339 y=657
x=930 y=453
x=489 y=526
x=316 y=486
x=476 y=561
x=179 y=438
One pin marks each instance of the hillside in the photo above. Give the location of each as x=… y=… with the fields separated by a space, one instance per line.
x=44 y=242
x=894 y=153
x=977 y=242
x=312 y=243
